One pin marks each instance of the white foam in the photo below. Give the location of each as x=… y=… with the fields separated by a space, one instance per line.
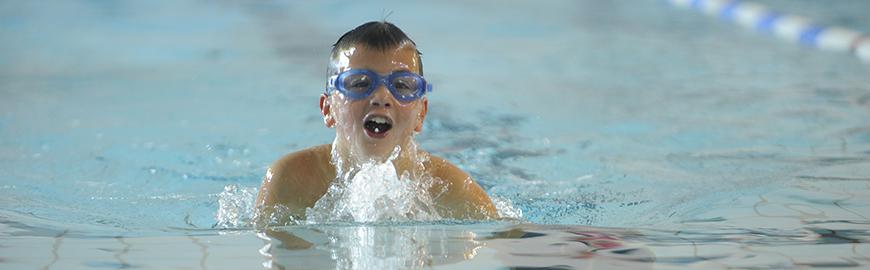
x=236 y=206
x=506 y=208
x=374 y=192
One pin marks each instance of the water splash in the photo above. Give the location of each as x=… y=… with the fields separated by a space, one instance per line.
x=236 y=206
x=373 y=191
x=397 y=189
x=506 y=208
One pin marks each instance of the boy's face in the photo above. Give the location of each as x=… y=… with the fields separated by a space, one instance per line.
x=359 y=123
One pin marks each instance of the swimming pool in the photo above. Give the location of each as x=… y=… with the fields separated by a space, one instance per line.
x=623 y=133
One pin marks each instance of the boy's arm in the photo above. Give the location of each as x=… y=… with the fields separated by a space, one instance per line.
x=294 y=182
x=274 y=199
x=463 y=197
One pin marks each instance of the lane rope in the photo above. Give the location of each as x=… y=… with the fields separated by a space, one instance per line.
x=793 y=28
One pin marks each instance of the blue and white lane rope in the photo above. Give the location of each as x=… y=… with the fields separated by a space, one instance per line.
x=789 y=27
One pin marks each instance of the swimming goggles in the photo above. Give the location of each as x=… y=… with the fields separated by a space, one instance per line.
x=405 y=86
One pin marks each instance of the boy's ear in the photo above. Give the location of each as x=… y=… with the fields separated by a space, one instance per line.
x=422 y=115
x=326 y=111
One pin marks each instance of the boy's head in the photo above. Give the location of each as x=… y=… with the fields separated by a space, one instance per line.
x=375 y=91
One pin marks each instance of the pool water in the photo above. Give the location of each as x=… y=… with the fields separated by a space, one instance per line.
x=621 y=134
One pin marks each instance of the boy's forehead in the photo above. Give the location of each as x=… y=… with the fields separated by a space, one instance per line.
x=403 y=57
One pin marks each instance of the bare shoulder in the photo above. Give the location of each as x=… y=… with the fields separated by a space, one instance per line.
x=312 y=158
x=298 y=179
x=459 y=195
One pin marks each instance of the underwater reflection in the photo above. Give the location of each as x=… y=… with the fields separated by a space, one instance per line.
x=532 y=246
x=366 y=247
x=415 y=247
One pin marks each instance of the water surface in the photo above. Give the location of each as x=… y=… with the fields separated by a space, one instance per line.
x=690 y=141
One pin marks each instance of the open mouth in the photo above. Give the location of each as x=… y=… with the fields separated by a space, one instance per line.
x=376 y=126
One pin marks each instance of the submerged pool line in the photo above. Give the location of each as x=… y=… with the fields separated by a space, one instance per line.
x=789 y=27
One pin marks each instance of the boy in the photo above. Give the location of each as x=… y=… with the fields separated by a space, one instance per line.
x=375 y=101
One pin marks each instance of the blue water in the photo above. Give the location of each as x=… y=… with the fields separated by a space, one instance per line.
x=702 y=143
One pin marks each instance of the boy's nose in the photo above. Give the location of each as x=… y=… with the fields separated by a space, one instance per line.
x=381 y=97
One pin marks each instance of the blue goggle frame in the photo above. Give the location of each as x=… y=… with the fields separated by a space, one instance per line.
x=336 y=82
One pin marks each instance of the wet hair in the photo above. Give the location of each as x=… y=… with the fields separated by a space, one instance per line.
x=380 y=35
